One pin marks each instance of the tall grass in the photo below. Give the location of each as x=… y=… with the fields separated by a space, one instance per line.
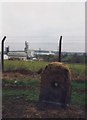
x=79 y=69
x=11 y=65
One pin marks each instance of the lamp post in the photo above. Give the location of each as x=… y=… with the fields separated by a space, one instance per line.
x=2 y=53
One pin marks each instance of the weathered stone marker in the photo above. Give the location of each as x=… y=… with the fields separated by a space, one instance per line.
x=55 y=84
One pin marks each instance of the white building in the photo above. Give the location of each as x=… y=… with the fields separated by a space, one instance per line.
x=44 y=52
x=5 y=57
x=20 y=55
x=30 y=53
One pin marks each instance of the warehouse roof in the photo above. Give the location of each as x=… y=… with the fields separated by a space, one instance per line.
x=18 y=54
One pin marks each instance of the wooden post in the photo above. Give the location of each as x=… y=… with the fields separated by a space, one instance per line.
x=60 y=42
x=2 y=53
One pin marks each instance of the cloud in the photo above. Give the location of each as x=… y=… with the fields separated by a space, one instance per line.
x=40 y=22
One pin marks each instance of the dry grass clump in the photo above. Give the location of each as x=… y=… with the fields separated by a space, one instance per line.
x=57 y=68
x=58 y=65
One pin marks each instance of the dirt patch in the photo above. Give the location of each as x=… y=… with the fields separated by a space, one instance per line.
x=18 y=107
x=23 y=74
x=22 y=71
x=14 y=87
x=20 y=76
x=76 y=77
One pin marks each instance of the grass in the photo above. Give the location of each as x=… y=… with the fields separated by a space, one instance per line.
x=77 y=97
x=79 y=69
x=12 y=65
x=78 y=85
x=21 y=82
x=78 y=93
x=29 y=94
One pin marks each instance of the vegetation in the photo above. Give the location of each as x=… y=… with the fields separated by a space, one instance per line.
x=78 y=93
x=76 y=98
x=72 y=58
x=21 y=91
x=79 y=69
x=12 y=65
x=75 y=58
x=32 y=91
x=29 y=91
x=34 y=66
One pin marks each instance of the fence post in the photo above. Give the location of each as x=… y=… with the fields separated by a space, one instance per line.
x=2 y=53
x=60 y=42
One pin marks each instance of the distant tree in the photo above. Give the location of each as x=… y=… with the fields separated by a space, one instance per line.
x=74 y=58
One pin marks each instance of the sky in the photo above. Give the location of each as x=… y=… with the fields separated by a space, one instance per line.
x=42 y=24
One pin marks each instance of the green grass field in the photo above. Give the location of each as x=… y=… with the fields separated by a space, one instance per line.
x=10 y=65
x=78 y=88
x=77 y=96
x=79 y=69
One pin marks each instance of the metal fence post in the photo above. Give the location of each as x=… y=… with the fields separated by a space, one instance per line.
x=60 y=42
x=2 y=53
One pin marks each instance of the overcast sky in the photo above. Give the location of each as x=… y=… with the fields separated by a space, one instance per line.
x=42 y=24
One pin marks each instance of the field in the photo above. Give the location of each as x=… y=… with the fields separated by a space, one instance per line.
x=21 y=89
